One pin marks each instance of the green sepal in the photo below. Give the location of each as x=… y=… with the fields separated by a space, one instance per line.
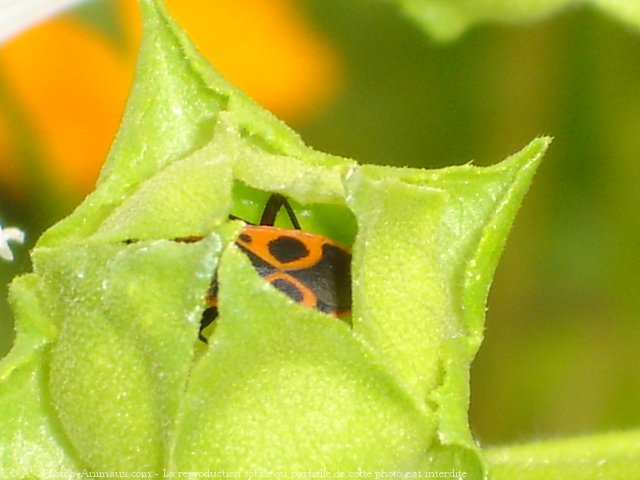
x=127 y=318
x=287 y=388
x=31 y=440
x=427 y=245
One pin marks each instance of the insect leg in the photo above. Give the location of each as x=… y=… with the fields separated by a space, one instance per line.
x=208 y=316
x=273 y=206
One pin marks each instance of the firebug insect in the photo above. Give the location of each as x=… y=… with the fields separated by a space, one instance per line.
x=311 y=269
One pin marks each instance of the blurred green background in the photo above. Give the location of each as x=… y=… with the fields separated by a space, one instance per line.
x=563 y=330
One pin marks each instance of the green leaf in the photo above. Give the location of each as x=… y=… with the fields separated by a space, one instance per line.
x=626 y=11
x=108 y=322
x=592 y=457
x=447 y=19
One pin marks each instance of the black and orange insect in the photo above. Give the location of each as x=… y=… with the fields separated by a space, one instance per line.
x=311 y=269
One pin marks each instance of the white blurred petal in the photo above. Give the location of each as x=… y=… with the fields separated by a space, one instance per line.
x=18 y=15
x=9 y=234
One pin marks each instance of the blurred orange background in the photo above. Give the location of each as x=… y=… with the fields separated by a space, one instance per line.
x=65 y=82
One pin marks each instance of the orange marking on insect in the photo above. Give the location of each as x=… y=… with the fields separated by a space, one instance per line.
x=312 y=270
